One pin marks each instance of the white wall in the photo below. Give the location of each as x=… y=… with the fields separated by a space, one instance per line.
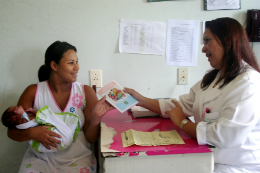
x=28 y=27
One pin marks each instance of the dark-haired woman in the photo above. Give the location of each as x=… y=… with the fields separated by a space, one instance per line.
x=225 y=103
x=58 y=88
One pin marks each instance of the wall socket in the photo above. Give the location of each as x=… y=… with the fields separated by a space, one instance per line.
x=183 y=76
x=95 y=77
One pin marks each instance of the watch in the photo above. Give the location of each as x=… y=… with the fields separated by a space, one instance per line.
x=183 y=122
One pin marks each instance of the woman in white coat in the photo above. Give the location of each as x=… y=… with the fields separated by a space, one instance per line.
x=225 y=103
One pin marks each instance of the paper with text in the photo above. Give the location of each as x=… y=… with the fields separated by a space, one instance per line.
x=142 y=37
x=223 y=4
x=182 y=42
x=155 y=138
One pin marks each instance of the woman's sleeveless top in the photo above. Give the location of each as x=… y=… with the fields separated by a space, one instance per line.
x=75 y=104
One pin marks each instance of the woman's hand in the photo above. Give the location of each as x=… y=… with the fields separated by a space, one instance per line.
x=31 y=111
x=44 y=136
x=100 y=109
x=135 y=94
x=176 y=114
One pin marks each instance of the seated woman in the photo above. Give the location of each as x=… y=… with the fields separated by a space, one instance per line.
x=59 y=90
x=65 y=124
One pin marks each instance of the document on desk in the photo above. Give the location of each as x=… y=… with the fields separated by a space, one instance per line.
x=155 y=138
x=182 y=42
x=143 y=37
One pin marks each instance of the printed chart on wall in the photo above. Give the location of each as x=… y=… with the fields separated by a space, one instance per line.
x=182 y=42
x=222 y=5
x=142 y=37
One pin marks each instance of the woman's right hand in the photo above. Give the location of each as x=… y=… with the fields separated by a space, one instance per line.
x=44 y=136
x=100 y=109
x=135 y=94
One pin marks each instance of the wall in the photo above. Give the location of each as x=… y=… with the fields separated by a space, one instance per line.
x=28 y=27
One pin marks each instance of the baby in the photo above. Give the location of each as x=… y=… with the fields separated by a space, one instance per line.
x=16 y=115
x=65 y=124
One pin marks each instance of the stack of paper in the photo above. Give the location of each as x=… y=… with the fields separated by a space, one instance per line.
x=139 y=112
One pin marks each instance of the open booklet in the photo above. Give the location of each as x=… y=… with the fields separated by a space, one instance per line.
x=154 y=138
x=116 y=97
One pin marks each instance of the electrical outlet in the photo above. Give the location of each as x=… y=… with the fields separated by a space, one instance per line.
x=95 y=77
x=183 y=76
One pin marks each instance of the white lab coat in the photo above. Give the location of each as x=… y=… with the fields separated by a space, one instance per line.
x=233 y=124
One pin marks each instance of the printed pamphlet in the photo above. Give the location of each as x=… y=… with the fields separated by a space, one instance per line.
x=116 y=97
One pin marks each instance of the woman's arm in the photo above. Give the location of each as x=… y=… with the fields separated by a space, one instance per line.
x=91 y=129
x=177 y=115
x=26 y=101
x=93 y=112
x=39 y=133
x=145 y=102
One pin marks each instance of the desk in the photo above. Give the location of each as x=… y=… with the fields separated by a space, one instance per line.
x=187 y=158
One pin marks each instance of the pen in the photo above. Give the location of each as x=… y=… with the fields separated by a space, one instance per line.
x=207 y=110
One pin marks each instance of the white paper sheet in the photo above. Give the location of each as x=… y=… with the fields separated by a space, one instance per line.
x=182 y=42
x=142 y=37
x=222 y=4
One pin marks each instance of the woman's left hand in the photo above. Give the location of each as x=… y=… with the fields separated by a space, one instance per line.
x=176 y=114
x=100 y=109
x=31 y=110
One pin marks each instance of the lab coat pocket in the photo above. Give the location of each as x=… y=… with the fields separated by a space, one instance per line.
x=211 y=117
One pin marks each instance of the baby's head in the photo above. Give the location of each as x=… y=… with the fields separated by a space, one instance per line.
x=12 y=116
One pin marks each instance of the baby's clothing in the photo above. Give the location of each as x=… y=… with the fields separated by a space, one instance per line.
x=31 y=123
x=24 y=115
x=65 y=124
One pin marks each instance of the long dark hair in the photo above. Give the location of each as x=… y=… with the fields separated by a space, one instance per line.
x=53 y=53
x=236 y=48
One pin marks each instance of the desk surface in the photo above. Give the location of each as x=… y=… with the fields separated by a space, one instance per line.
x=120 y=122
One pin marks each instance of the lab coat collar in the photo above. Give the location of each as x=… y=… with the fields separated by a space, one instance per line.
x=213 y=93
